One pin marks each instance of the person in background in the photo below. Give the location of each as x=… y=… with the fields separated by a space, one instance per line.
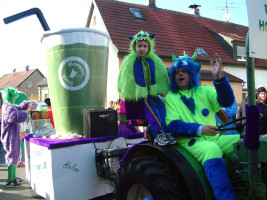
x=111 y=105
x=261 y=101
x=231 y=112
x=116 y=105
x=49 y=110
x=190 y=116
x=241 y=110
x=12 y=116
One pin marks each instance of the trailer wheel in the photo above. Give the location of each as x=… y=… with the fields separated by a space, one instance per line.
x=144 y=176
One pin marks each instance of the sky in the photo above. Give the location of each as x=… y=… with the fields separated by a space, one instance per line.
x=20 y=41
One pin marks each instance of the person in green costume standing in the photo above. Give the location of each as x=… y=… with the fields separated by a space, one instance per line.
x=23 y=127
x=142 y=78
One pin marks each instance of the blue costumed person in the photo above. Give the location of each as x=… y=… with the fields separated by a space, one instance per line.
x=141 y=79
x=190 y=117
x=12 y=116
x=231 y=112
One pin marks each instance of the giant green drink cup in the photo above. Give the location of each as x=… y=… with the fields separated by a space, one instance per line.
x=77 y=74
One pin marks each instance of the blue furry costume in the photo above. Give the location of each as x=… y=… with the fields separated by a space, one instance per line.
x=188 y=110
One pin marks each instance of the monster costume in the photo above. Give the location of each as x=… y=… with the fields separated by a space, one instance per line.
x=188 y=110
x=140 y=77
x=12 y=116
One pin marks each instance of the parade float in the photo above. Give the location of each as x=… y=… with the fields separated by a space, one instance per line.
x=126 y=165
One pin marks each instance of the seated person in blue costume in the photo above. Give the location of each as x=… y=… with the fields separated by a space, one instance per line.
x=141 y=79
x=231 y=112
x=190 y=117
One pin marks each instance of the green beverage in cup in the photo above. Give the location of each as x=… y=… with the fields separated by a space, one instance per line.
x=77 y=74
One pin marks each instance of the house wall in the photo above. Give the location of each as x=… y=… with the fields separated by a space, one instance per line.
x=237 y=87
x=260 y=75
x=113 y=72
x=31 y=92
x=114 y=64
x=43 y=92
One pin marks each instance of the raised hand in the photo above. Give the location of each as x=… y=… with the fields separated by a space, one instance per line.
x=216 y=67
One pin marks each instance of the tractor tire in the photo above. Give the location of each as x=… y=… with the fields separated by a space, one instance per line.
x=144 y=176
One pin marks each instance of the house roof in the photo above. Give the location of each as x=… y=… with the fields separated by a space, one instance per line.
x=207 y=76
x=176 y=32
x=16 y=78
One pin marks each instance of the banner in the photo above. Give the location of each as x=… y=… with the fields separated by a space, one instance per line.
x=257 y=20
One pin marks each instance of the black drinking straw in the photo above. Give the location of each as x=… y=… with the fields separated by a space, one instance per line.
x=27 y=13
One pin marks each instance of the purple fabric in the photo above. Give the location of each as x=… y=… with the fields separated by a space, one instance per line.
x=134 y=109
x=12 y=116
x=152 y=118
x=130 y=149
x=59 y=143
x=252 y=130
x=125 y=128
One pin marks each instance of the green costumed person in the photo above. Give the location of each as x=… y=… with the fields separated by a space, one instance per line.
x=141 y=81
x=23 y=127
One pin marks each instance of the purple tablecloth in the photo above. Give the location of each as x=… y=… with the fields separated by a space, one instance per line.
x=58 y=143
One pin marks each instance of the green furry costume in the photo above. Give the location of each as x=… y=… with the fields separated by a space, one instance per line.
x=133 y=84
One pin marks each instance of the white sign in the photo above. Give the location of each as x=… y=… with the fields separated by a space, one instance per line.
x=257 y=20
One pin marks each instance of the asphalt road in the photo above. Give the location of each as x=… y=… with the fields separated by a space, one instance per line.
x=22 y=193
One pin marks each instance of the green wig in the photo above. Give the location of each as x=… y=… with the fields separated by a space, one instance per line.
x=9 y=95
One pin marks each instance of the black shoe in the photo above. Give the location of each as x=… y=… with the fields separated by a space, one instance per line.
x=20 y=180
x=13 y=184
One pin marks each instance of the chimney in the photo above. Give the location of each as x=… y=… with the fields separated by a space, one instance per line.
x=151 y=4
x=27 y=68
x=14 y=70
x=194 y=10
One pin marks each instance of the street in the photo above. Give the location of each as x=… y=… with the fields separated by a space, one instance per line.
x=22 y=193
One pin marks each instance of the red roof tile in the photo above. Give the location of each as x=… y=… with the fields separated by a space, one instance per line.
x=207 y=75
x=176 y=32
x=14 y=79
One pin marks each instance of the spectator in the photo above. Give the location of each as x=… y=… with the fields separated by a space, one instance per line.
x=261 y=101
x=231 y=112
x=49 y=110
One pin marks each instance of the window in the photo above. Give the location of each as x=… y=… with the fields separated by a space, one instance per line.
x=136 y=13
x=29 y=84
x=201 y=52
x=241 y=53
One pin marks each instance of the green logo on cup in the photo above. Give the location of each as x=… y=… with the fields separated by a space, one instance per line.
x=73 y=73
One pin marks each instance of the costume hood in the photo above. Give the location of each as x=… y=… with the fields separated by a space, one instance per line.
x=9 y=94
x=187 y=64
x=142 y=36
